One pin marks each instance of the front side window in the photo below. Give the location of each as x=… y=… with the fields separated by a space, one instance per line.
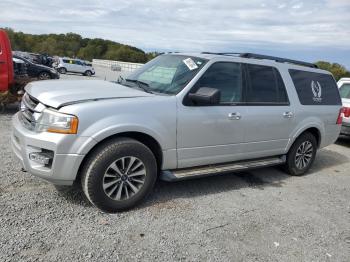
x=226 y=77
x=167 y=74
x=344 y=91
x=265 y=85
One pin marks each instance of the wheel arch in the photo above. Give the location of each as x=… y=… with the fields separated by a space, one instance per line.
x=314 y=130
x=143 y=138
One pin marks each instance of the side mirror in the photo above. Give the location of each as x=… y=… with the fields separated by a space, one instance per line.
x=205 y=96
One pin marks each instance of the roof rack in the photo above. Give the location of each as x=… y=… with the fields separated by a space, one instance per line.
x=266 y=57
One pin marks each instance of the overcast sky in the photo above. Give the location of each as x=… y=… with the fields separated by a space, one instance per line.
x=309 y=30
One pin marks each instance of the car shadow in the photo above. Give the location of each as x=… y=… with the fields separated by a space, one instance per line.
x=76 y=74
x=343 y=141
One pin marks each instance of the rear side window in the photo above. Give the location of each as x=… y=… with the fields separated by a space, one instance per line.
x=265 y=86
x=344 y=91
x=315 y=88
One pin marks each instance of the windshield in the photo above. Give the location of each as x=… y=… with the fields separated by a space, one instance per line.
x=167 y=74
x=345 y=91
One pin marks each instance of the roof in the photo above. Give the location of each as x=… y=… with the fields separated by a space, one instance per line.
x=254 y=58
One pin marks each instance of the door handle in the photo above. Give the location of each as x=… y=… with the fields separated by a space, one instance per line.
x=2 y=62
x=234 y=116
x=288 y=114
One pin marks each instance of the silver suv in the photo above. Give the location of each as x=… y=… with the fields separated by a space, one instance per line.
x=179 y=116
x=65 y=65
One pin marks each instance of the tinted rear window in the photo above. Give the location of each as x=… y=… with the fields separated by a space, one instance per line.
x=315 y=88
x=345 y=91
x=265 y=85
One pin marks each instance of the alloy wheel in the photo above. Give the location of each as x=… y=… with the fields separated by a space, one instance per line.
x=124 y=178
x=304 y=154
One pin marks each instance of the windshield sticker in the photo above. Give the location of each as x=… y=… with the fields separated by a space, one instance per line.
x=190 y=63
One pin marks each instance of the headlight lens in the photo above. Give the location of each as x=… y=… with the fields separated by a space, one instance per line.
x=56 y=122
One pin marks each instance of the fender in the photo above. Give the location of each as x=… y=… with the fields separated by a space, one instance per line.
x=302 y=127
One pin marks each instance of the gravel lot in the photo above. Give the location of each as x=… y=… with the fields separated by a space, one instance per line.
x=261 y=215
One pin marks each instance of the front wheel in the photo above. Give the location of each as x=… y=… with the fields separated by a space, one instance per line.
x=119 y=174
x=44 y=76
x=301 y=155
x=62 y=70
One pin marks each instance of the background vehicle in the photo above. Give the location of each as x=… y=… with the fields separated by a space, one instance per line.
x=6 y=67
x=8 y=90
x=179 y=116
x=41 y=59
x=39 y=71
x=65 y=65
x=344 y=90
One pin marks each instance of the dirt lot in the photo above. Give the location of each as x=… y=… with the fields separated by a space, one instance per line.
x=261 y=215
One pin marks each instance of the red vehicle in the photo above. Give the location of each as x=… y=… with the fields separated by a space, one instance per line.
x=6 y=64
x=11 y=84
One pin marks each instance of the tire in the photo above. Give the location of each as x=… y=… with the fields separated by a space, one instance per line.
x=305 y=146
x=111 y=191
x=44 y=76
x=62 y=70
x=88 y=73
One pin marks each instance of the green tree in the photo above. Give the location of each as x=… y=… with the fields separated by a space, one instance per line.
x=336 y=69
x=73 y=45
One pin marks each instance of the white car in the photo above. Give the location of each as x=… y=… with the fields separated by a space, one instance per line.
x=66 y=64
x=344 y=90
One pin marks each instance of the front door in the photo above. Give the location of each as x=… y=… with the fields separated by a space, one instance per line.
x=212 y=134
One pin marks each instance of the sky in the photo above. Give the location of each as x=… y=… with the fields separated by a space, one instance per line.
x=310 y=30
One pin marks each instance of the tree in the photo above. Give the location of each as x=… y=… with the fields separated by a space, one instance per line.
x=73 y=45
x=336 y=69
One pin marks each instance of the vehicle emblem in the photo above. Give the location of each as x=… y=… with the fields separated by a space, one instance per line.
x=316 y=90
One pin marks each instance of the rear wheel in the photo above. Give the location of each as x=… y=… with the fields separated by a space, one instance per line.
x=301 y=155
x=88 y=73
x=119 y=175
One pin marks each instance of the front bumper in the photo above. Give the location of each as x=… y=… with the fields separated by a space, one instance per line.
x=67 y=152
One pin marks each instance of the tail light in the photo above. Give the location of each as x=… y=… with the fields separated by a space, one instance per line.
x=340 y=116
x=343 y=112
x=346 y=111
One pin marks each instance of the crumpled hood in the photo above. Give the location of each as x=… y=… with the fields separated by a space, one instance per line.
x=58 y=93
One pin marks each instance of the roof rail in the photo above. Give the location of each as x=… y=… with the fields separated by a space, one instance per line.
x=274 y=58
x=278 y=59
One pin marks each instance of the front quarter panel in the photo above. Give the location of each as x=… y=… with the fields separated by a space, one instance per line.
x=154 y=116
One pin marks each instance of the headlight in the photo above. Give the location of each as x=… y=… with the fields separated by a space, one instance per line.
x=56 y=122
x=53 y=71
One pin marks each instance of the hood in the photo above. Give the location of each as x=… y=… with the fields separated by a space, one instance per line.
x=58 y=93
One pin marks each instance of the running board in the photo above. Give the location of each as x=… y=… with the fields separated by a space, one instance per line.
x=187 y=173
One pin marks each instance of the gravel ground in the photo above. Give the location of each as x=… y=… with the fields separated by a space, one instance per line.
x=260 y=215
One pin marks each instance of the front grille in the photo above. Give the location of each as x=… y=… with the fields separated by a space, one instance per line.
x=29 y=111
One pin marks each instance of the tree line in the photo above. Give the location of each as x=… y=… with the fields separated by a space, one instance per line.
x=74 y=45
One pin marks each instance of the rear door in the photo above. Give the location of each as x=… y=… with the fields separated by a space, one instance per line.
x=269 y=118
x=6 y=64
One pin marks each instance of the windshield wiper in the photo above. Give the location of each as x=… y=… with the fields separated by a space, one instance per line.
x=142 y=85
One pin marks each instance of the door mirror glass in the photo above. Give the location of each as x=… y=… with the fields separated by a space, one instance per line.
x=205 y=96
